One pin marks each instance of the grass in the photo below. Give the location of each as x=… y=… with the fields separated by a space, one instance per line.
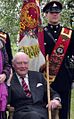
x=72 y=105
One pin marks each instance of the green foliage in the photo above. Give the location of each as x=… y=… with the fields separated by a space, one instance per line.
x=14 y=48
x=10 y=16
x=72 y=105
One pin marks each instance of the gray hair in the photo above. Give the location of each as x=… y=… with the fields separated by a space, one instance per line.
x=19 y=54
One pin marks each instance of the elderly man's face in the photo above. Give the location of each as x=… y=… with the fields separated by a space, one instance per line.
x=21 y=65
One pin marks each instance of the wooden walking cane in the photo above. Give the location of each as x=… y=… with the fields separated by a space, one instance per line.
x=48 y=84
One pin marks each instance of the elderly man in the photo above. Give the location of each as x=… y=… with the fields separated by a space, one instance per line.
x=28 y=91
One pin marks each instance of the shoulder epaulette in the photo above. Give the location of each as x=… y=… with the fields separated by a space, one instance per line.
x=3 y=36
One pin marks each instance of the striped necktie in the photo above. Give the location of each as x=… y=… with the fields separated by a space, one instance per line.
x=25 y=87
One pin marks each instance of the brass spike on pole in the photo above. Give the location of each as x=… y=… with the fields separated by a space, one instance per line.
x=48 y=85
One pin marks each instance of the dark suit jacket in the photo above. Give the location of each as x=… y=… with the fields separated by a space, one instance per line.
x=38 y=101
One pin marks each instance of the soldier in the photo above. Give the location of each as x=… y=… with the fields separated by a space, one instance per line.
x=58 y=42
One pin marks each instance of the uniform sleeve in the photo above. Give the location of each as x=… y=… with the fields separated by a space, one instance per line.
x=71 y=59
x=8 y=49
x=6 y=66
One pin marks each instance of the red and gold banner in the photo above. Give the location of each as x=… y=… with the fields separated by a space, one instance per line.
x=28 y=36
x=29 y=18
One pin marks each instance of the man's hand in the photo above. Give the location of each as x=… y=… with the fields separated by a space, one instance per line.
x=10 y=78
x=53 y=104
x=42 y=68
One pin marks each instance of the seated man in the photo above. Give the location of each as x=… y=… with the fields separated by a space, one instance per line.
x=28 y=91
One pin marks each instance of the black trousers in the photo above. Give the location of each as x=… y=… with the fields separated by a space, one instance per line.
x=31 y=113
x=3 y=115
x=66 y=100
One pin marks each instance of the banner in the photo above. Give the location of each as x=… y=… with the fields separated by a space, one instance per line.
x=28 y=36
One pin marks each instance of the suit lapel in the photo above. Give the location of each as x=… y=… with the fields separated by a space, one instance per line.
x=17 y=86
x=37 y=92
x=32 y=83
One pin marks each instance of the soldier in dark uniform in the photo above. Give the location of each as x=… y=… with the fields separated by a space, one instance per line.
x=63 y=80
x=6 y=38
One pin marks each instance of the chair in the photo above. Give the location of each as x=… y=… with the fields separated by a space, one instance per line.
x=10 y=112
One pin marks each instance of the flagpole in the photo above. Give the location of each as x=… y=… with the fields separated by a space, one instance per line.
x=48 y=85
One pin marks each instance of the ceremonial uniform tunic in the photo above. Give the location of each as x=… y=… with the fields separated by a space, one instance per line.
x=63 y=81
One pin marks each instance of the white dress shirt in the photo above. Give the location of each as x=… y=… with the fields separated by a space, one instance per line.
x=25 y=79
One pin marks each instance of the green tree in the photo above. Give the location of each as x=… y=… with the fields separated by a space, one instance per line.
x=10 y=16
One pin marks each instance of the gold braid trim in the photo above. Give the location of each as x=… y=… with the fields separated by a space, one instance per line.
x=3 y=36
x=32 y=51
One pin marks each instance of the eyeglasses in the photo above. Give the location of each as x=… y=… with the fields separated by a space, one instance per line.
x=20 y=63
